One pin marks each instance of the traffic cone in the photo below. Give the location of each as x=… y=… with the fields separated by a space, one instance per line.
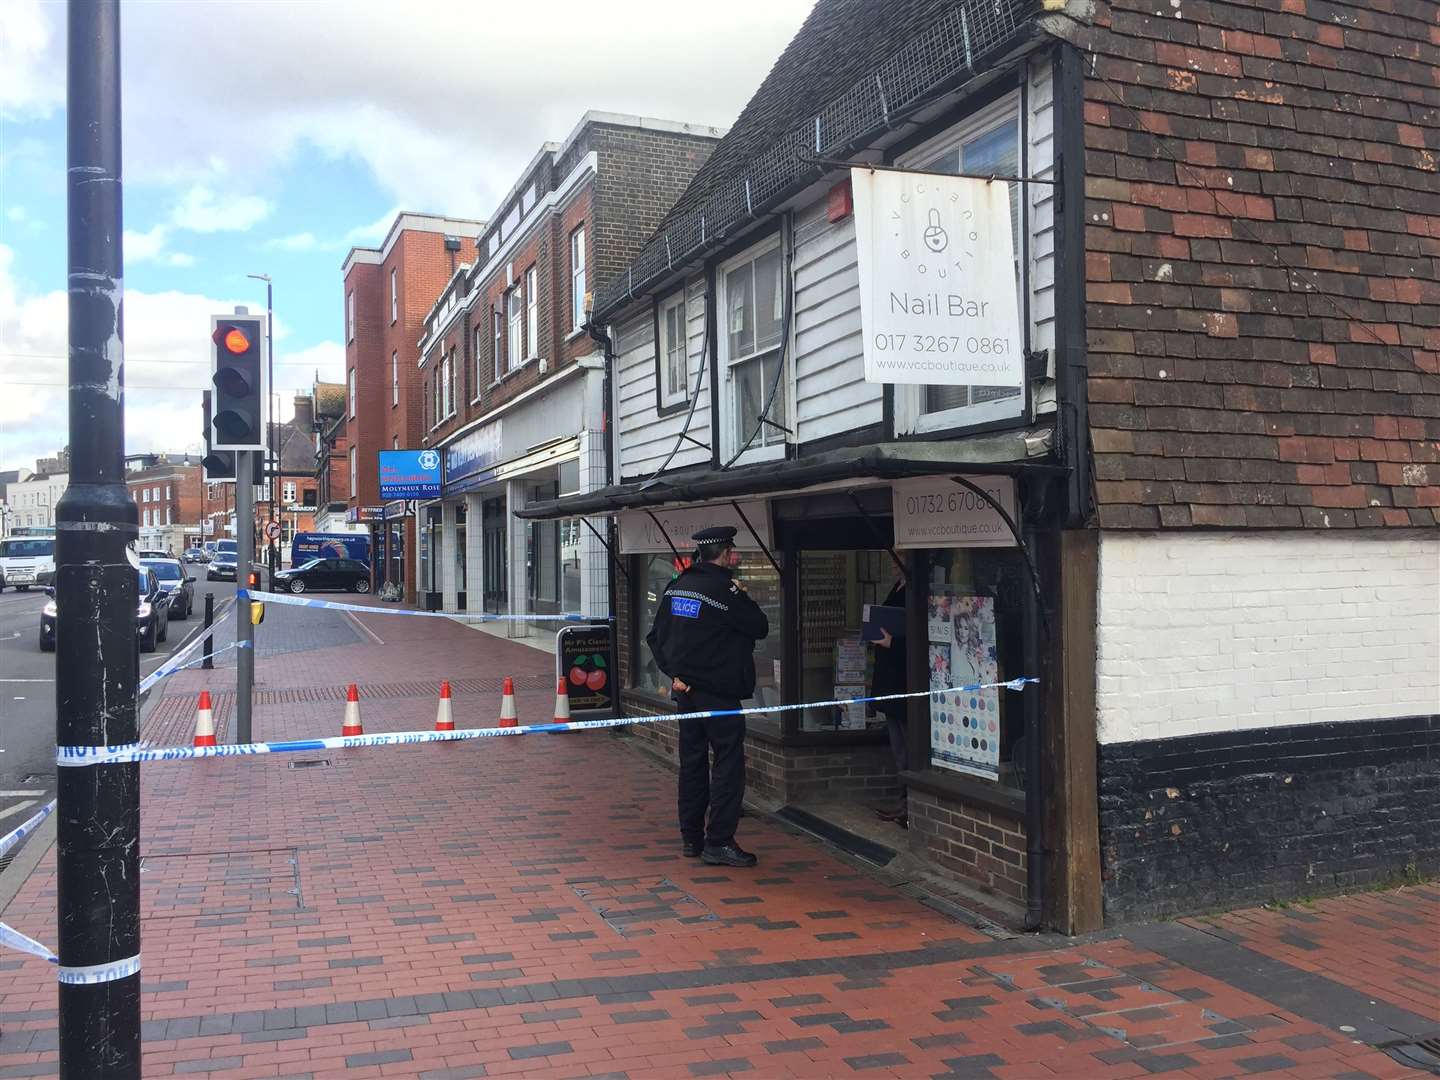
x=351 y=724
x=508 y=716
x=444 y=721
x=562 y=703
x=204 y=721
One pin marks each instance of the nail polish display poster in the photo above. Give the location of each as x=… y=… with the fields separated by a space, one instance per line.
x=964 y=727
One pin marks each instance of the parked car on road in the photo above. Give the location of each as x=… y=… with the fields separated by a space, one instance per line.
x=348 y=575
x=195 y=554
x=180 y=585
x=152 y=614
x=221 y=567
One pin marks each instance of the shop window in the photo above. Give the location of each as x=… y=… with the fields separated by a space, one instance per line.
x=987 y=142
x=974 y=633
x=651 y=573
x=752 y=306
x=835 y=587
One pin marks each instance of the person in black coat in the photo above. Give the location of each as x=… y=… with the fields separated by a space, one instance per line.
x=703 y=637
x=890 y=678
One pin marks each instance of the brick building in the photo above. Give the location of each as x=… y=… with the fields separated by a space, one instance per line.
x=331 y=459
x=387 y=293
x=1213 y=420
x=513 y=387
x=167 y=492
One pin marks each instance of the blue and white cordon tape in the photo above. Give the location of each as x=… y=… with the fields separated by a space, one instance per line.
x=11 y=938
x=366 y=609
x=80 y=756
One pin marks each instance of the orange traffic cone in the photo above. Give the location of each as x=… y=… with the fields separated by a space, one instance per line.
x=204 y=721
x=351 y=724
x=508 y=716
x=562 y=703
x=444 y=721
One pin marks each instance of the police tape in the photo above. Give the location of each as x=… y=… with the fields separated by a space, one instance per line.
x=165 y=670
x=83 y=756
x=10 y=839
x=365 y=609
x=88 y=975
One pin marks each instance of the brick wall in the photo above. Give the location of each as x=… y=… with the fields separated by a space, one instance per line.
x=981 y=846
x=365 y=429
x=1201 y=632
x=1263 y=227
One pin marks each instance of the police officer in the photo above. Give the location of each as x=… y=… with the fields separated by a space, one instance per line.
x=704 y=636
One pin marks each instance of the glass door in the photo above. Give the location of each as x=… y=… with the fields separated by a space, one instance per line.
x=494 y=521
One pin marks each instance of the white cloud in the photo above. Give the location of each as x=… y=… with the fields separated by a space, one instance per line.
x=305 y=241
x=199 y=210
x=17 y=214
x=151 y=247
x=32 y=61
x=442 y=129
x=371 y=234
x=166 y=368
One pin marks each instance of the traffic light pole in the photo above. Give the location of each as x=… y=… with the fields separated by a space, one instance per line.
x=244 y=630
x=96 y=592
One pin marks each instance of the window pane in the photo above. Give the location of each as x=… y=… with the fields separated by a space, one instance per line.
x=675 y=374
x=740 y=294
x=769 y=306
x=753 y=379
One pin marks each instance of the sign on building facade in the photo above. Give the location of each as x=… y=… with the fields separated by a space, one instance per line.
x=409 y=474
x=938 y=298
x=932 y=512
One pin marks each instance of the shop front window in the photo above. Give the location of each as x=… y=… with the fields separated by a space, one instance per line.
x=494 y=518
x=652 y=573
x=974 y=633
x=835 y=663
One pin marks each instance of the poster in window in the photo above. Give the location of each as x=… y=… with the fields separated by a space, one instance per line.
x=964 y=726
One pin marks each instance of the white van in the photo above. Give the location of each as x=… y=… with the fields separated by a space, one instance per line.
x=27 y=561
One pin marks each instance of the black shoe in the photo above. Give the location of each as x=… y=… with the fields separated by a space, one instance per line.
x=731 y=854
x=691 y=848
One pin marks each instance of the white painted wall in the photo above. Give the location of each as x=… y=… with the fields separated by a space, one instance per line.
x=1202 y=632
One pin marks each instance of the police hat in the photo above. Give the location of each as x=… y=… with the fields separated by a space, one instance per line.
x=719 y=536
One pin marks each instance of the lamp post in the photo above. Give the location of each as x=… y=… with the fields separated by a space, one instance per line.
x=270 y=452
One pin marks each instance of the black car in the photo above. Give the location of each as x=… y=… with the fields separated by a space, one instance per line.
x=222 y=566
x=180 y=585
x=152 y=615
x=348 y=575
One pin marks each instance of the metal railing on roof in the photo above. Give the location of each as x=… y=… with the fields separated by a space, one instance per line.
x=964 y=39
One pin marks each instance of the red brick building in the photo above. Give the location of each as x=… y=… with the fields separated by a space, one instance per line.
x=513 y=385
x=387 y=293
x=167 y=492
x=332 y=458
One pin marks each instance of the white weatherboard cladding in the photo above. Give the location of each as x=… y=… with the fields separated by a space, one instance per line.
x=830 y=387
x=646 y=438
x=1040 y=152
x=1226 y=631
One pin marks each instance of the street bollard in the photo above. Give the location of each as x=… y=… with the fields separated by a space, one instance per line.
x=209 y=664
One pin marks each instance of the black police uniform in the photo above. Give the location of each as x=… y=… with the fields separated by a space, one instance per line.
x=704 y=634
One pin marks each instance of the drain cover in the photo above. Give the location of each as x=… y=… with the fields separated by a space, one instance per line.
x=1423 y=1054
x=310 y=763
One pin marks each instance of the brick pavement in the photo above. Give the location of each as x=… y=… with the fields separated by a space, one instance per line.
x=489 y=909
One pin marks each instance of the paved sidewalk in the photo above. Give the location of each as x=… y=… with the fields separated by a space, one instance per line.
x=518 y=907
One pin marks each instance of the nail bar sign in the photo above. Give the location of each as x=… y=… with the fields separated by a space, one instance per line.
x=935 y=512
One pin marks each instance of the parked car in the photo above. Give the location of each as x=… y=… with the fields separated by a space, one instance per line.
x=152 y=614
x=195 y=554
x=222 y=567
x=348 y=575
x=180 y=585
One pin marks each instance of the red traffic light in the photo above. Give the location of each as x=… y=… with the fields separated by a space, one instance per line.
x=232 y=339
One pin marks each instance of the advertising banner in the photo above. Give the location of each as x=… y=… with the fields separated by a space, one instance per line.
x=964 y=726
x=585 y=659
x=409 y=474
x=937 y=280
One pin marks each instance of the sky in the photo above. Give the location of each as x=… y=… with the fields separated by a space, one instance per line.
x=269 y=136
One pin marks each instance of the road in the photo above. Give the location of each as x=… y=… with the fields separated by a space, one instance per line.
x=27 y=695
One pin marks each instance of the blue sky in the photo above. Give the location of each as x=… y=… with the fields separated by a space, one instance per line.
x=269 y=138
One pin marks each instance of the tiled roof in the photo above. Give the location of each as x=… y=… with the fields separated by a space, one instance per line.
x=851 y=65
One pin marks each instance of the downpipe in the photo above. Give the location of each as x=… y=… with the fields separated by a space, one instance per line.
x=1034 y=764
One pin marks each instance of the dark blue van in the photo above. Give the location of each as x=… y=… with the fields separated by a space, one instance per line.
x=307 y=546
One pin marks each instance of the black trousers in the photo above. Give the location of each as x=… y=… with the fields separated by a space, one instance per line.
x=721 y=786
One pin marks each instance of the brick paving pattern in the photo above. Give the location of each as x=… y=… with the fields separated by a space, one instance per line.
x=489 y=909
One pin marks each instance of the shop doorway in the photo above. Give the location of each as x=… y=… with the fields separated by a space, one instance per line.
x=495 y=520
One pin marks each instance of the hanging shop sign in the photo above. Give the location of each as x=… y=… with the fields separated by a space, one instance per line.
x=934 y=512
x=937 y=280
x=409 y=474
x=639 y=534
x=585 y=661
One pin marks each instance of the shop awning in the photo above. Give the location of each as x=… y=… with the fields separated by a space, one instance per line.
x=1008 y=453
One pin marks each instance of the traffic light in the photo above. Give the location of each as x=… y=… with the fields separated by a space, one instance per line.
x=237 y=368
x=220 y=464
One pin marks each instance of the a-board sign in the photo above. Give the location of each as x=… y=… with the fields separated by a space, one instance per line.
x=585 y=659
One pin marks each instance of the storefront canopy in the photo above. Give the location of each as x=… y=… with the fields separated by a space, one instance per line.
x=1007 y=453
